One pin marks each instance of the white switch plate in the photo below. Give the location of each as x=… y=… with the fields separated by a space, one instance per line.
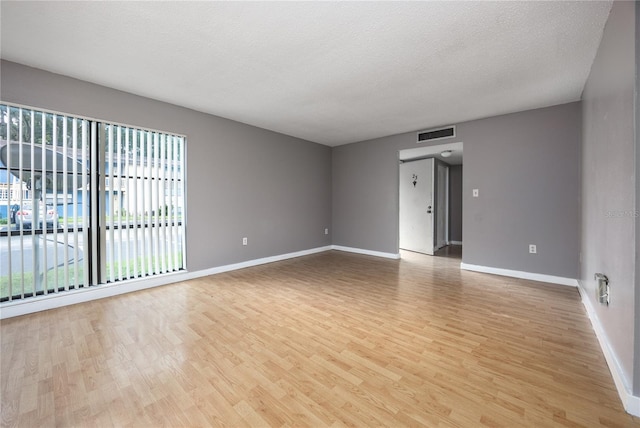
x=533 y=249
x=475 y=193
x=326 y=231
x=244 y=241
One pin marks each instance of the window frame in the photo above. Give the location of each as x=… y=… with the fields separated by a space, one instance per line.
x=95 y=267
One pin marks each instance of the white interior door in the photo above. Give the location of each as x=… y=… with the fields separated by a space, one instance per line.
x=416 y=206
x=442 y=205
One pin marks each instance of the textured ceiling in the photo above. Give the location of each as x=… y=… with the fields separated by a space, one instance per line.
x=327 y=72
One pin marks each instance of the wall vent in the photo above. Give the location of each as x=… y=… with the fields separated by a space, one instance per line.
x=437 y=134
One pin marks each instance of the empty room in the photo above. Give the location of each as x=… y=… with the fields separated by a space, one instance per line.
x=319 y=214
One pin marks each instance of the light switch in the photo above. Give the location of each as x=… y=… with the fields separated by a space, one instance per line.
x=475 y=193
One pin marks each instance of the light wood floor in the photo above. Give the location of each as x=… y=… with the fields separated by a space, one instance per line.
x=332 y=339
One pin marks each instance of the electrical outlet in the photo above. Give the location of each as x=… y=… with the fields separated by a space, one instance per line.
x=326 y=231
x=533 y=249
x=475 y=193
x=244 y=241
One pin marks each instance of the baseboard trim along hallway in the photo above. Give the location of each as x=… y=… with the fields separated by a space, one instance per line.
x=520 y=274
x=631 y=402
x=366 y=252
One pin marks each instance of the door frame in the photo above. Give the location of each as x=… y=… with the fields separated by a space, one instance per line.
x=435 y=204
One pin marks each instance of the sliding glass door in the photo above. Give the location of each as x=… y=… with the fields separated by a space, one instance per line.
x=86 y=203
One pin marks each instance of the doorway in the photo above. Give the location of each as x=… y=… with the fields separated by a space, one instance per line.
x=430 y=200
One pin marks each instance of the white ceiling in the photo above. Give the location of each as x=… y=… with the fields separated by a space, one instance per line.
x=327 y=72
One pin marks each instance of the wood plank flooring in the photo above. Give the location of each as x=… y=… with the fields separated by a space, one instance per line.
x=332 y=339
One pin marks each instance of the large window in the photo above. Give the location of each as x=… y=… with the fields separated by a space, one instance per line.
x=85 y=203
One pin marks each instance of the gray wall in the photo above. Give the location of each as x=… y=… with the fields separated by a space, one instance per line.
x=455 y=203
x=636 y=366
x=526 y=167
x=609 y=182
x=241 y=180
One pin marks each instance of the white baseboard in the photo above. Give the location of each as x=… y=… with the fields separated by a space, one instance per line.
x=520 y=274
x=58 y=300
x=455 y=242
x=366 y=252
x=630 y=402
x=262 y=261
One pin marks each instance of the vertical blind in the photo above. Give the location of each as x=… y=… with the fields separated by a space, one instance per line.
x=142 y=178
x=85 y=203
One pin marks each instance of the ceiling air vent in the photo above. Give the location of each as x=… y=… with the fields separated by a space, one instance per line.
x=437 y=134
